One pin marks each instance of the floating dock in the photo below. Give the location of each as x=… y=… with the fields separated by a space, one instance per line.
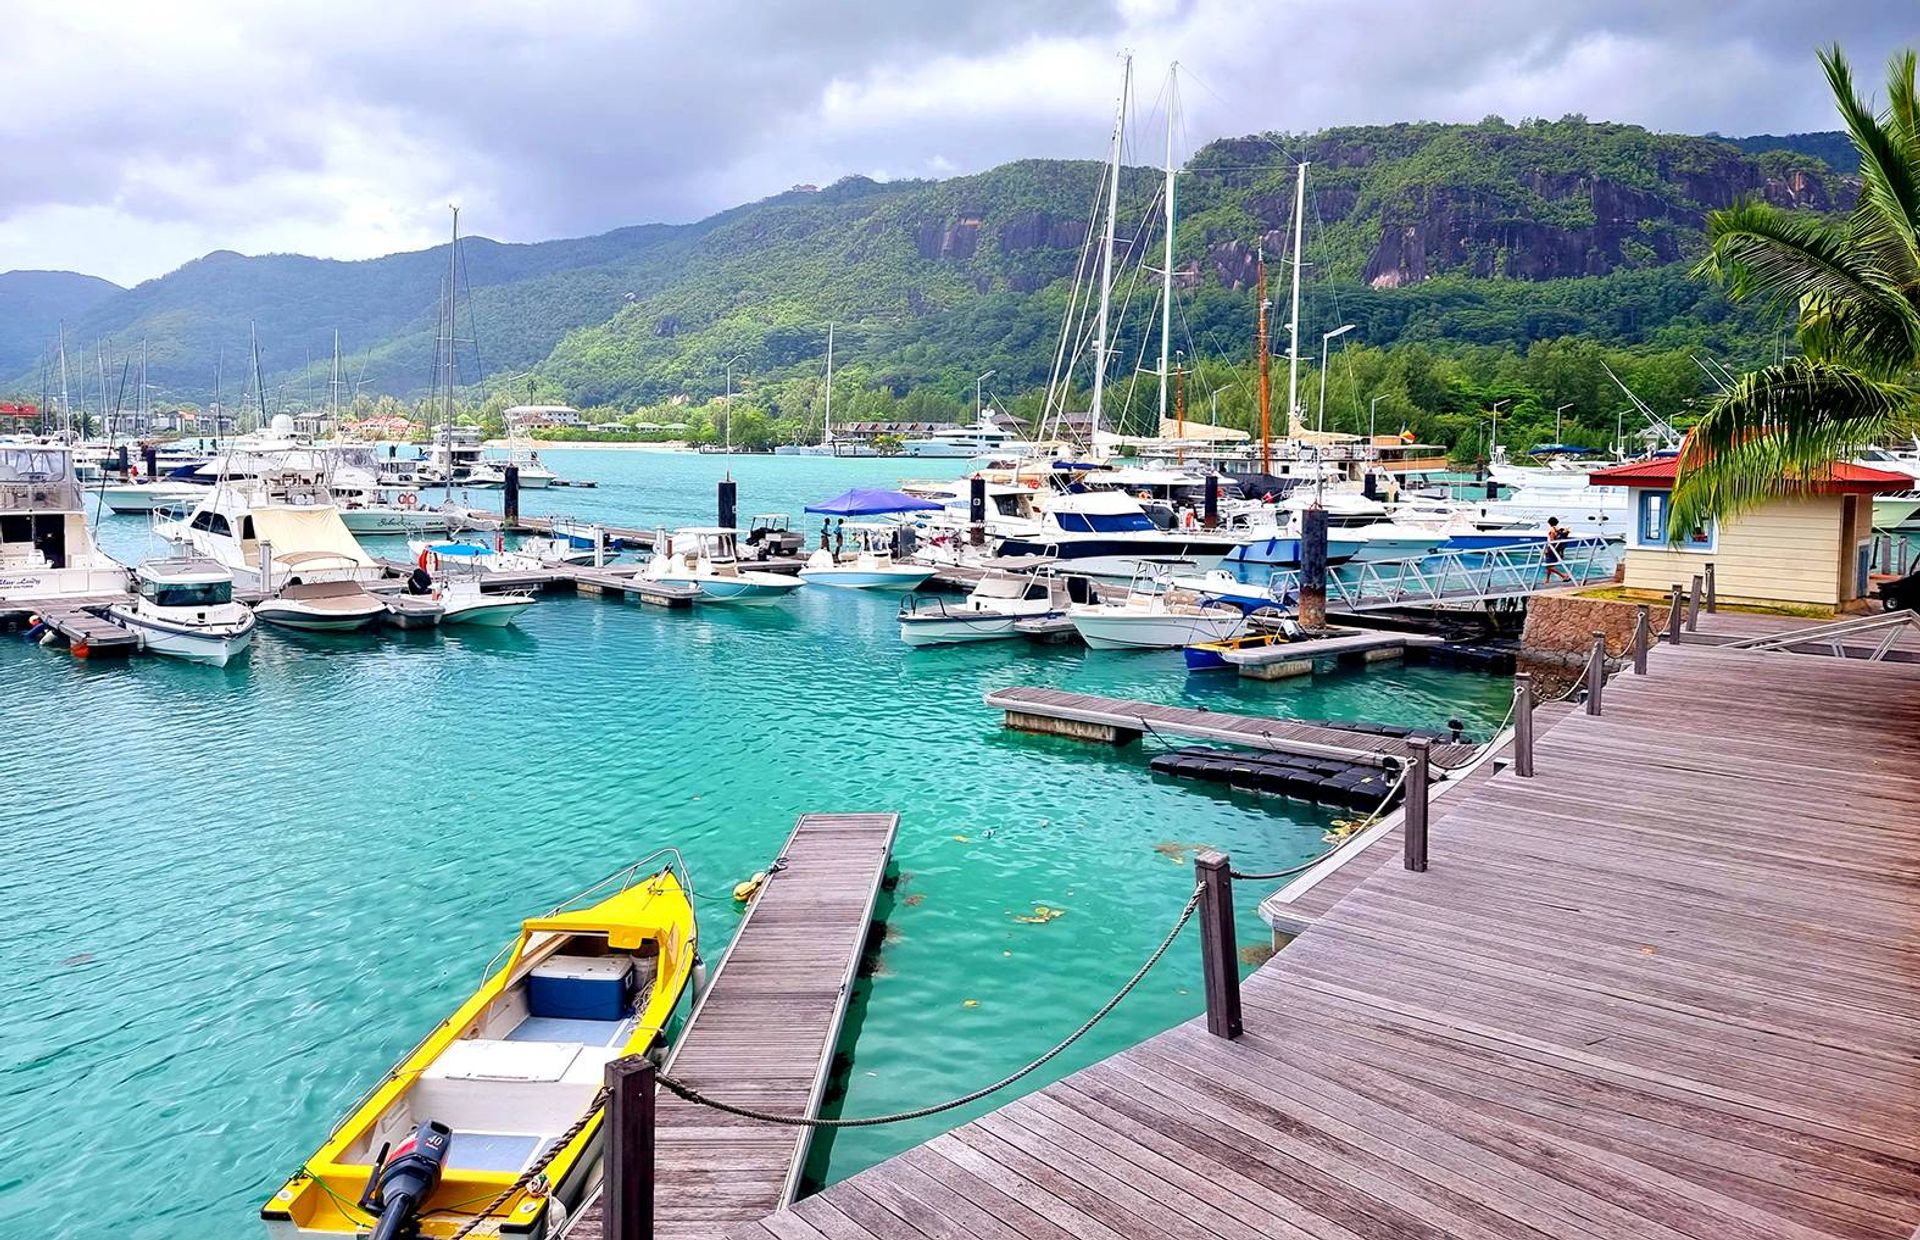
x=763 y=1033
x=1119 y=721
x=1298 y=658
x=1663 y=989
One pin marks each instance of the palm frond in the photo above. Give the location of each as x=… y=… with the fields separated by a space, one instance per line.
x=1777 y=432
x=1802 y=262
x=1903 y=106
x=1889 y=207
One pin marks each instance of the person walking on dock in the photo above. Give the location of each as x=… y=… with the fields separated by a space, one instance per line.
x=839 y=537
x=1556 y=537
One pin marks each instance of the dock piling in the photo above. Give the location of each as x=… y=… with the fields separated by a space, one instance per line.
x=152 y=455
x=1523 y=724
x=1693 y=602
x=1211 y=520
x=1713 y=598
x=1596 y=672
x=1313 y=569
x=1414 y=812
x=1673 y=615
x=629 y=1160
x=510 y=498
x=1642 y=634
x=1219 y=955
x=977 y=510
x=729 y=505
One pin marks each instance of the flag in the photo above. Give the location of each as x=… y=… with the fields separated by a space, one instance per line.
x=1406 y=436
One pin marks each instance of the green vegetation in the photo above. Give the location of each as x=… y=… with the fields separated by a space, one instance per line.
x=1854 y=287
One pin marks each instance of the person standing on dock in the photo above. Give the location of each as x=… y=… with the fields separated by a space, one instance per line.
x=1556 y=536
x=825 y=525
x=839 y=537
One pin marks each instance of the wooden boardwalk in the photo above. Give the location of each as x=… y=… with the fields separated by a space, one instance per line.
x=1032 y=708
x=1667 y=989
x=764 y=1031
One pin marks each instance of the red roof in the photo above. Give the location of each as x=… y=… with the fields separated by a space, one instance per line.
x=1841 y=478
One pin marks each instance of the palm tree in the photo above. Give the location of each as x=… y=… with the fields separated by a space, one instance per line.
x=1854 y=286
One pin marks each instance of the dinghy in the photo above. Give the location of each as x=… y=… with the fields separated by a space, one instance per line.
x=494 y=1120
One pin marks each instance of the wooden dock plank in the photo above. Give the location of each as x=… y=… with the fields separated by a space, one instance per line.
x=763 y=1033
x=1666 y=988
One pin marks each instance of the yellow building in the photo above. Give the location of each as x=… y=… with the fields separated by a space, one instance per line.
x=1814 y=549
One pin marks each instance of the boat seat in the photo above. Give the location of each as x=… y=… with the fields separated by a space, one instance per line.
x=564 y=1029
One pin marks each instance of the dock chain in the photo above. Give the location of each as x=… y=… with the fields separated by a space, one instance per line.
x=687 y=1092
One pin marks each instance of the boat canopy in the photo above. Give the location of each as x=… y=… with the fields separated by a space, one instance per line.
x=872 y=502
x=296 y=531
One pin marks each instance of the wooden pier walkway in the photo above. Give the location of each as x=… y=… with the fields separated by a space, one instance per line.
x=764 y=1031
x=1119 y=720
x=1665 y=989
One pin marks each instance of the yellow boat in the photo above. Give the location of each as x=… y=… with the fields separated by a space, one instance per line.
x=496 y=1112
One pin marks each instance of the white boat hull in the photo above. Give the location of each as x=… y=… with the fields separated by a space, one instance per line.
x=899 y=577
x=956 y=627
x=1150 y=631
x=1397 y=548
x=496 y=611
x=293 y=616
x=395 y=521
x=52 y=583
x=736 y=589
x=214 y=644
x=150 y=496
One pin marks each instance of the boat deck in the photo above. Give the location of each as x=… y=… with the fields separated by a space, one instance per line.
x=1032 y=708
x=764 y=1032
x=1665 y=989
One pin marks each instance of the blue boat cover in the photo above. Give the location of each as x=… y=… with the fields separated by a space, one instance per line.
x=872 y=502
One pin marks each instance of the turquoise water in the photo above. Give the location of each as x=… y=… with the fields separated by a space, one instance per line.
x=236 y=895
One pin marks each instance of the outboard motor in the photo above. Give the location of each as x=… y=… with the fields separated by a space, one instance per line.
x=399 y=1186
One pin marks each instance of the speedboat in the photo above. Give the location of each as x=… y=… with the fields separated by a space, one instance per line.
x=1155 y=618
x=1008 y=592
x=493 y=1123
x=185 y=608
x=322 y=607
x=46 y=550
x=1392 y=540
x=871 y=565
x=706 y=558
x=462 y=601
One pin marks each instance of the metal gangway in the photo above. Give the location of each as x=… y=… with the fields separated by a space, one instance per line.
x=1456 y=578
x=1837 y=641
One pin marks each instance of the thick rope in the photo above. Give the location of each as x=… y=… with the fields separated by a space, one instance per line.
x=690 y=1094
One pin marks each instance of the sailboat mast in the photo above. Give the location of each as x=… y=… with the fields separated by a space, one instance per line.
x=826 y=425
x=1293 y=324
x=142 y=411
x=1106 y=251
x=66 y=414
x=333 y=387
x=1166 y=275
x=1266 y=390
x=259 y=380
x=453 y=304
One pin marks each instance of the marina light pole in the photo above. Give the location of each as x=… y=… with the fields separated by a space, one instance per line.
x=1373 y=409
x=1320 y=418
x=977 y=381
x=1556 y=421
x=1493 y=441
x=729 y=402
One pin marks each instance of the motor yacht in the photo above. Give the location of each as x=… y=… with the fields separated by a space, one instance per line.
x=707 y=558
x=1108 y=534
x=272 y=532
x=46 y=549
x=183 y=607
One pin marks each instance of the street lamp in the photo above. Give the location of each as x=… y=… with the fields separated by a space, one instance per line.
x=978 y=380
x=1320 y=420
x=729 y=404
x=1373 y=407
x=1556 y=421
x=1493 y=441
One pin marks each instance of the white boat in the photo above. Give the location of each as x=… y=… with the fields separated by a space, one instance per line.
x=1108 y=534
x=1894 y=510
x=707 y=558
x=463 y=602
x=986 y=437
x=185 y=608
x=1008 y=592
x=46 y=549
x=1393 y=540
x=151 y=496
x=870 y=566
x=272 y=532
x=322 y=607
x=531 y=556
x=391 y=510
x=1154 y=618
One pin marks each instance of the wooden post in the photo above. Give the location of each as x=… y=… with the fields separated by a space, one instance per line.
x=1523 y=725
x=1211 y=519
x=1642 y=634
x=1693 y=602
x=977 y=510
x=1596 y=672
x=1886 y=553
x=728 y=508
x=629 y=1160
x=1219 y=958
x=1673 y=617
x=1414 y=807
x=1313 y=568
x=1713 y=599
x=510 y=498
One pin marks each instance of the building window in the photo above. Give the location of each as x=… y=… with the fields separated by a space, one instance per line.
x=1650 y=527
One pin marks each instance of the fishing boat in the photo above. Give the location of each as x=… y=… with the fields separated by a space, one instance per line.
x=870 y=566
x=493 y=1122
x=1008 y=592
x=1211 y=656
x=707 y=558
x=1154 y=616
x=322 y=607
x=184 y=607
x=46 y=549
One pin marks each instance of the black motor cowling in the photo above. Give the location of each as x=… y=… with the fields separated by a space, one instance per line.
x=399 y=1185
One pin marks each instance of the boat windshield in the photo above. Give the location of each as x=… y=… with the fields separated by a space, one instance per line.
x=187 y=593
x=1104 y=522
x=1000 y=587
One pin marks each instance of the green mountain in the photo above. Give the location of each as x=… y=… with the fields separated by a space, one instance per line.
x=33 y=304
x=1490 y=234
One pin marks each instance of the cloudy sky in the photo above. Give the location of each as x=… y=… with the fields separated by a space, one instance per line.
x=141 y=135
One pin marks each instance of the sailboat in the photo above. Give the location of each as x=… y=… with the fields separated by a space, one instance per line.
x=826 y=446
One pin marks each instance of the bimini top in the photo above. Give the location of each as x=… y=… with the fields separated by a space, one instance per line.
x=872 y=502
x=1839 y=478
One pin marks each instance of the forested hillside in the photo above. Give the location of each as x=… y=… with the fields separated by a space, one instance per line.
x=1450 y=237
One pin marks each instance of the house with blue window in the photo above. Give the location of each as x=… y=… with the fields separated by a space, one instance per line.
x=1812 y=549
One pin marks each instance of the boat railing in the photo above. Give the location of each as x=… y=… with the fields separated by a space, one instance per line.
x=1457 y=576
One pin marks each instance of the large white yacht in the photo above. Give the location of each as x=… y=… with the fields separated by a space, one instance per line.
x=985 y=437
x=273 y=532
x=1108 y=534
x=46 y=549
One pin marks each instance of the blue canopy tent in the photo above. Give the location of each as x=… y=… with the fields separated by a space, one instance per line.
x=872 y=502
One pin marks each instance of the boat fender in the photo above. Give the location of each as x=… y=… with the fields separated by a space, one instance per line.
x=745 y=891
x=699 y=977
